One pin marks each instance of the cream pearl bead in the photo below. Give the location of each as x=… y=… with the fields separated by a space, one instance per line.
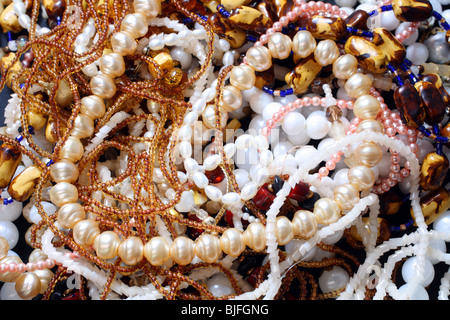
x=149 y=8
x=346 y=196
x=370 y=125
x=345 y=66
x=28 y=285
x=280 y=45
x=326 y=52
x=72 y=150
x=37 y=255
x=259 y=58
x=232 y=242
x=45 y=276
x=242 y=77
x=93 y=107
x=209 y=117
x=64 y=171
x=284 y=230
x=156 y=251
x=4 y=247
x=131 y=250
x=103 y=86
x=303 y=44
x=357 y=85
x=366 y=107
x=83 y=126
x=368 y=154
x=106 y=245
x=112 y=65
x=231 y=98
x=135 y=24
x=361 y=177
x=182 y=250
x=123 y=43
x=10 y=276
x=85 y=232
x=207 y=248
x=62 y=193
x=70 y=214
x=255 y=236
x=304 y=224
x=326 y=211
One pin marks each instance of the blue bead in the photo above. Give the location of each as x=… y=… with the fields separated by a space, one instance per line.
x=49 y=163
x=19 y=138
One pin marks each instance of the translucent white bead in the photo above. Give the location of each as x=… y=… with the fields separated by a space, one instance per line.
x=389 y=20
x=410 y=269
x=293 y=246
x=418 y=292
x=417 y=53
x=9 y=231
x=219 y=285
x=213 y=193
x=442 y=223
x=248 y=191
x=317 y=125
x=436 y=244
x=12 y=211
x=259 y=100
x=266 y=158
x=304 y=153
x=293 y=123
x=211 y=162
x=200 y=180
x=186 y=202
x=191 y=165
x=231 y=198
x=243 y=141
x=334 y=279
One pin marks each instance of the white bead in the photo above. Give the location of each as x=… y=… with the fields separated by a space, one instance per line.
x=412 y=38
x=229 y=149
x=243 y=141
x=200 y=180
x=90 y=70
x=243 y=159
x=293 y=246
x=409 y=271
x=213 y=193
x=346 y=3
x=259 y=100
x=191 y=165
x=231 y=198
x=341 y=176
x=270 y=109
x=179 y=54
x=317 y=125
x=19 y=7
x=9 y=231
x=12 y=211
x=241 y=176
x=211 y=162
x=248 y=191
x=333 y=238
x=437 y=244
x=185 y=149
x=442 y=223
x=190 y=118
x=389 y=20
x=417 y=53
x=185 y=133
x=219 y=285
x=266 y=158
x=199 y=105
x=261 y=142
x=282 y=148
x=304 y=153
x=334 y=279
x=8 y=292
x=49 y=209
x=186 y=202
x=293 y=123
x=418 y=293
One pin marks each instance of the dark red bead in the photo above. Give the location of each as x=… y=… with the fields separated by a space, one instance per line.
x=263 y=198
x=229 y=219
x=253 y=277
x=215 y=176
x=194 y=232
x=299 y=192
x=73 y=296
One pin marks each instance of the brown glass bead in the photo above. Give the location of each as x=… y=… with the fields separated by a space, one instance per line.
x=333 y=113
x=369 y=55
x=10 y=158
x=433 y=171
x=54 y=8
x=283 y=6
x=249 y=19
x=265 y=78
x=303 y=74
x=433 y=204
x=358 y=19
x=390 y=202
x=436 y=80
x=236 y=37
x=267 y=8
x=23 y=185
x=392 y=48
x=412 y=10
x=432 y=101
x=327 y=27
x=409 y=104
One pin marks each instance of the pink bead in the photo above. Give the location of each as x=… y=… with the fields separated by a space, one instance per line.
x=350 y=105
x=291 y=15
x=390 y=132
x=412 y=139
x=390 y=182
x=264 y=38
x=31 y=266
x=320 y=5
x=3 y=268
x=328 y=7
x=40 y=265
x=277 y=26
x=271 y=123
x=401 y=130
x=21 y=267
x=385 y=187
x=299 y=10
x=323 y=172
x=283 y=110
x=323 y=102
x=330 y=165
x=306 y=101
x=407 y=166
x=336 y=157
x=404 y=173
x=49 y=263
x=315 y=101
x=414 y=147
x=276 y=116
x=395 y=159
x=312 y=5
x=270 y=31
x=385 y=114
x=394 y=176
x=299 y=103
x=411 y=132
x=395 y=168
x=265 y=131
x=284 y=21
x=290 y=106
x=12 y=267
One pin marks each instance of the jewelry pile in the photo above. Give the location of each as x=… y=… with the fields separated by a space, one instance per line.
x=194 y=149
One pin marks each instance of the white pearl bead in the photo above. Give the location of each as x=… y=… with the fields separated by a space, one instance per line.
x=317 y=125
x=303 y=44
x=135 y=24
x=231 y=198
x=150 y=8
x=186 y=202
x=293 y=123
x=123 y=43
x=180 y=55
x=304 y=153
x=213 y=193
x=442 y=223
x=241 y=177
x=259 y=100
x=259 y=58
x=9 y=231
x=112 y=64
x=270 y=109
x=200 y=180
x=211 y=162
x=334 y=279
x=243 y=141
x=409 y=271
x=219 y=285
x=249 y=191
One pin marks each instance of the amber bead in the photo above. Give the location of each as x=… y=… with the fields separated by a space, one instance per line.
x=235 y=36
x=433 y=171
x=54 y=8
x=250 y=19
x=263 y=198
x=409 y=104
x=23 y=185
x=10 y=158
x=445 y=132
x=215 y=176
x=267 y=8
x=265 y=78
x=327 y=27
x=300 y=192
x=392 y=48
x=412 y=10
x=9 y=21
x=390 y=202
x=384 y=230
x=368 y=54
x=433 y=204
x=432 y=101
x=303 y=74
x=436 y=80
x=357 y=19
x=283 y=6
